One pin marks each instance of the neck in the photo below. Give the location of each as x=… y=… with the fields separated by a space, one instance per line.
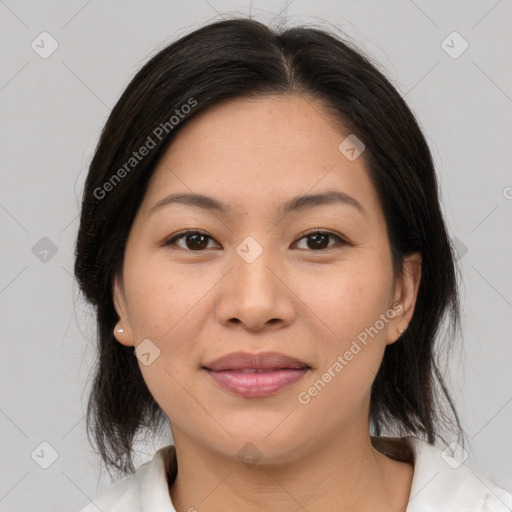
x=346 y=470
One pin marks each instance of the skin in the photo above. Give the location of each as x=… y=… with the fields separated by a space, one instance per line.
x=309 y=303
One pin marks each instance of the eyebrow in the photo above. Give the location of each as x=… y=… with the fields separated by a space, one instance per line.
x=296 y=204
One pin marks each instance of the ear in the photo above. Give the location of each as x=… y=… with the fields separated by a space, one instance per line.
x=406 y=293
x=125 y=337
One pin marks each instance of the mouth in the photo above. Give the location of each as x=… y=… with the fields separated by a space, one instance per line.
x=256 y=375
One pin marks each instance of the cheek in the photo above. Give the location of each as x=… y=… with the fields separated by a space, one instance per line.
x=348 y=299
x=164 y=300
x=349 y=307
x=169 y=305
x=166 y=308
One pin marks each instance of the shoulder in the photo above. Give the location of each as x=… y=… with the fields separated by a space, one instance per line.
x=147 y=489
x=442 y=483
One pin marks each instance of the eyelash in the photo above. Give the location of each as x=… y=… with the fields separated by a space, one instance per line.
x=174 y=238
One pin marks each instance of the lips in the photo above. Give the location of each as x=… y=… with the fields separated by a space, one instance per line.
x=265 y=361
x=256 y=375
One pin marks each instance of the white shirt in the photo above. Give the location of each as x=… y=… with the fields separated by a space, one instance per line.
x=439 y=484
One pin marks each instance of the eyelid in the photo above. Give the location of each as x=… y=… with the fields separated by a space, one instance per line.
x=172 y=239
x=321 y=231
x=341 y=239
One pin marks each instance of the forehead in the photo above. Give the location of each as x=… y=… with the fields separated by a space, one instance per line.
x=245 y=151
x=277 y=124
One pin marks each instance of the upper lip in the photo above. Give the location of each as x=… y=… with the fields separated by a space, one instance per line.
x=261 y=361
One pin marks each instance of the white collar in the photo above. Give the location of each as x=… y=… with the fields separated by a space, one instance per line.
x=441 y=483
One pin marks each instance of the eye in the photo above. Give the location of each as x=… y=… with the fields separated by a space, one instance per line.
x=198 y=241
x=320 y=238
x=194 y=240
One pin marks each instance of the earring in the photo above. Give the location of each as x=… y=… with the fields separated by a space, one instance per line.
x=120 y=330
x=401 y=331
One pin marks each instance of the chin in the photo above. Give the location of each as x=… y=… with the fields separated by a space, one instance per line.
x=260 y=442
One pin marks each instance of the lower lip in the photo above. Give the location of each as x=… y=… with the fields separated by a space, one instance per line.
x=256 y=385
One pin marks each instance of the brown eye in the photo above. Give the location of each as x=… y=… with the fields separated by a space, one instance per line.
x=193 y=240
x=319 y=240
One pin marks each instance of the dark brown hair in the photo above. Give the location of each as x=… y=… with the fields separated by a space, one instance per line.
x=244 y=58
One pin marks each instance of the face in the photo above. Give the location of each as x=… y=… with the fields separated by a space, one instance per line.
x=313 y=282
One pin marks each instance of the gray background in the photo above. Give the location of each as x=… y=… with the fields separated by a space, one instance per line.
x=52 y=111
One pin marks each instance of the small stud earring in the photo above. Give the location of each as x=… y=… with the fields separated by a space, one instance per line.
x=120 y=330
x=401 y=331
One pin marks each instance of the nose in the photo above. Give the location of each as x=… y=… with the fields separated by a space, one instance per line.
x=255 y=294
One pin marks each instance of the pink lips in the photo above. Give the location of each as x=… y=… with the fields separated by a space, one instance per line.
x=256 y=375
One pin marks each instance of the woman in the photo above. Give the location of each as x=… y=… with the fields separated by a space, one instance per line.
x=262 y=238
